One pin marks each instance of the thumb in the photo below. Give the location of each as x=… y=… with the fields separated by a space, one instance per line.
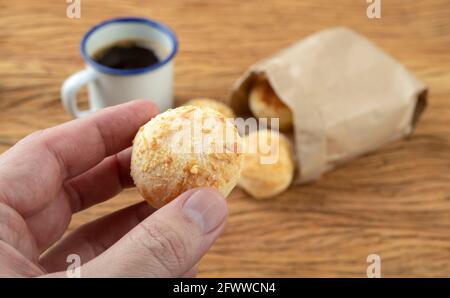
x=169 y=242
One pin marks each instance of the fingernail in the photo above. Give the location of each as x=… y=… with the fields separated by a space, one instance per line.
x=207 y=208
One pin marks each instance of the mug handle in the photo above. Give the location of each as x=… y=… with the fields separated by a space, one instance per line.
x=70 y=88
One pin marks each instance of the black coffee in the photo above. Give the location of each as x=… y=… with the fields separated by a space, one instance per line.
x=126 y=54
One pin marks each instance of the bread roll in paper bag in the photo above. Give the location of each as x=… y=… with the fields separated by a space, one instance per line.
x=347 y=96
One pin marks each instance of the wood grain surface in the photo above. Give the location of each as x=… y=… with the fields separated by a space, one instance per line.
x=394 y=202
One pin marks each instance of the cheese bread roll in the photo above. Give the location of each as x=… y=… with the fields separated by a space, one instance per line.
x=184 y=148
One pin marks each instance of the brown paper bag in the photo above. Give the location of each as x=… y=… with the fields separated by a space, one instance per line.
x=347 y=96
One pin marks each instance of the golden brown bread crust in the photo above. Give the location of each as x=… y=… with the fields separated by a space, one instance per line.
x=168 y=159
x=260 y=180
x=264 y=103
x=213 y=104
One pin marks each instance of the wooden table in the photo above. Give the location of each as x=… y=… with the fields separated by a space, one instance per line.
x=395 y=202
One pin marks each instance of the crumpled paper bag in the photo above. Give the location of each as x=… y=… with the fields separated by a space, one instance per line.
x=348 y=97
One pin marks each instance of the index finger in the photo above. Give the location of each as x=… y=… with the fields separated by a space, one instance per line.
x=80 y=144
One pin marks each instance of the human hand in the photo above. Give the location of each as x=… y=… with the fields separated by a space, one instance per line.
x=54 y=173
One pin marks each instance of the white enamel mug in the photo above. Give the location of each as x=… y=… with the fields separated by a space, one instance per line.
x=110 y=86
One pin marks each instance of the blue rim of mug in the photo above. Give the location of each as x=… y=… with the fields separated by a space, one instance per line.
x=114 y=71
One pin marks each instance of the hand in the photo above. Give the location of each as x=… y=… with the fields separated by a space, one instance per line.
x=53 y=173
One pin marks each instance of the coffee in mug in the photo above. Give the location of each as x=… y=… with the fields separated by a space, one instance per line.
x=126 y=54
